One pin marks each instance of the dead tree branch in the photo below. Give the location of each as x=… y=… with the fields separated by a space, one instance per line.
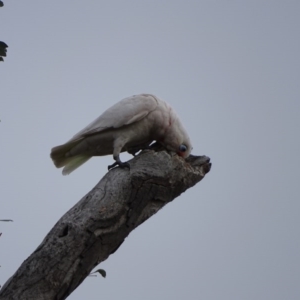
x=98 y=224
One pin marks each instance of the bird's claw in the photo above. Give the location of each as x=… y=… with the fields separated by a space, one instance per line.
x=120 y=164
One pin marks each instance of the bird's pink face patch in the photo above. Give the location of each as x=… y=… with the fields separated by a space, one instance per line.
x=180 y=153
x=183 y=151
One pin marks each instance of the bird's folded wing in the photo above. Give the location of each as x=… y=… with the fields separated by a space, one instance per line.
x=125 y=112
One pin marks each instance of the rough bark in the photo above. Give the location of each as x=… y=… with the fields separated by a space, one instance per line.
x=98 y=224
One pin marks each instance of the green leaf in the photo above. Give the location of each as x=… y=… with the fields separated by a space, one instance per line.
x=3 y=45
x=101 y=272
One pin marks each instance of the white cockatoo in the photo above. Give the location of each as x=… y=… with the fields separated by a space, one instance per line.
x=130 y=125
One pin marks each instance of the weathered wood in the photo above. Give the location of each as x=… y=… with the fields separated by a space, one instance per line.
x=98 y=224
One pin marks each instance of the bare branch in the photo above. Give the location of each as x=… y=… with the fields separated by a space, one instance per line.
x=98 y=224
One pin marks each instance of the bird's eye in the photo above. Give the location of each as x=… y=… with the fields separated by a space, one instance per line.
x=182 y=148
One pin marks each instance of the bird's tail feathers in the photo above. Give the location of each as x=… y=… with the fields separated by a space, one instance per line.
x=72 y=163
x=58 y=155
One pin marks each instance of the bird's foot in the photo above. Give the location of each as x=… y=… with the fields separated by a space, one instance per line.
x=156 y=146
x=134 y=150
x=119 y=163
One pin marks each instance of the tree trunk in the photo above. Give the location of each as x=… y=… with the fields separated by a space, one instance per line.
x=98 y=224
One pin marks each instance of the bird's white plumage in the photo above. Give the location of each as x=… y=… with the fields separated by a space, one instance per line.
x=130 y=125
x=125 y=112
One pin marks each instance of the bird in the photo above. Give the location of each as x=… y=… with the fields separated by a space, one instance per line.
x=131 y=125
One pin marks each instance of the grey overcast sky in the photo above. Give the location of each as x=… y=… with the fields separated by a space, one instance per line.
x=231 y=71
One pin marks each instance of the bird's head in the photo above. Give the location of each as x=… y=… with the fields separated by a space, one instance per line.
x=176 y=138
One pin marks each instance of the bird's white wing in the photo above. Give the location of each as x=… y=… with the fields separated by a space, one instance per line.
x=125 y=112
